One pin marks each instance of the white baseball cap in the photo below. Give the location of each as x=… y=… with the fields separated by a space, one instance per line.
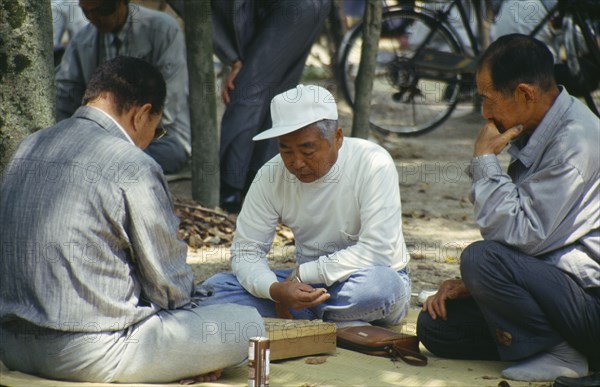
x=297 y=108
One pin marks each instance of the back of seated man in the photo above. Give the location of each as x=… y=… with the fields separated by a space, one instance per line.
x=119 y=28
x=341 y=199
x=94 y=284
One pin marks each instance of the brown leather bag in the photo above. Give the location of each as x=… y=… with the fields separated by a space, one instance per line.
x=378 y=341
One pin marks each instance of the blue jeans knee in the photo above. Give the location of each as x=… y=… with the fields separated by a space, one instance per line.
x=374 y=294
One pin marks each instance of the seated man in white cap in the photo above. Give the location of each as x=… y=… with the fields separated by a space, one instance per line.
x=340 y=197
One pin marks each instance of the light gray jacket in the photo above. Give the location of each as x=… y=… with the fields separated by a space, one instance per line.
x=88 y=234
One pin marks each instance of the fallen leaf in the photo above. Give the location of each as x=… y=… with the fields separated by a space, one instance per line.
x=203 y=227
x=315 y=360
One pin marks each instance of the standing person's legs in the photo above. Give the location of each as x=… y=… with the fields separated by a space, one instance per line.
x=532 y=308
x=273 y=63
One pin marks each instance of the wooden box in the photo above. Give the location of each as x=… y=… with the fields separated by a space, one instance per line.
x=294 y=338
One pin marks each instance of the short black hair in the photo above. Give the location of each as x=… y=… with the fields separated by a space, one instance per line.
x=131 y=81
x=518 y=58
x=108 y=7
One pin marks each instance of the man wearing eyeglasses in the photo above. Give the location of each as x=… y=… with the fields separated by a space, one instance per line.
x=119 y=28
x=94 y=284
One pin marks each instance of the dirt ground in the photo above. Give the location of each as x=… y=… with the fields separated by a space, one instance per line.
x=437 y=215
x=437 y=224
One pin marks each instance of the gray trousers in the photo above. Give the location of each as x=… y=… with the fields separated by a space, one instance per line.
x=274 y=51
x=165 y=347
x=521 y=306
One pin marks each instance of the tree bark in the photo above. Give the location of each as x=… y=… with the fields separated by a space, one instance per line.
x=335 y=30
x=366 y=69
x=26 y=72
x=203 y=108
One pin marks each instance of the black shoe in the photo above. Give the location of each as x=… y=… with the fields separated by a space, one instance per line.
x=231 y=207
x=592 y=380
x=230 y=198
x=232 y=203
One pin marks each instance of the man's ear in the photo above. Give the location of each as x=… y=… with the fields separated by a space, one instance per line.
x=526 y=93
x=338 y=137
x=141 y=115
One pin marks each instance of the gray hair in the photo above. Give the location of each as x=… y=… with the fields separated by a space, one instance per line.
x=327 y=129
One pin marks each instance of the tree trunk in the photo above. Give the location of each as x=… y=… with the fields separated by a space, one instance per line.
x=203 y=108
x=26 y=72
x=335 y=30
x=366 y=69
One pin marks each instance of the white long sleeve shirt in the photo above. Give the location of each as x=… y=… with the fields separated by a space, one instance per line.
x=347 y=220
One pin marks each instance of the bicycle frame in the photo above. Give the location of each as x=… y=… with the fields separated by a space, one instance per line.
x=428 y=59
x=574 y=10
x=425 y=78
x=441 y=16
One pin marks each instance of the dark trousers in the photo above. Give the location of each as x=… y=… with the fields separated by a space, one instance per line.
x=275 y=48
x=169 y=153
x=521 y=306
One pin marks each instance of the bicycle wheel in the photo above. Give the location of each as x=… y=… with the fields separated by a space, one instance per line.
x=588 y=54
x=411 y=95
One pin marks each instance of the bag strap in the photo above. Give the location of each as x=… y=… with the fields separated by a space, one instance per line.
x=409 y=357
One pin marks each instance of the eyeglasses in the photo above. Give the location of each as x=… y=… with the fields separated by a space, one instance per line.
x=105 y=9
x=159 y=132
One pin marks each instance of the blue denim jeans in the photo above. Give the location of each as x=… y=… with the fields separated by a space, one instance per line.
x=377 y=295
